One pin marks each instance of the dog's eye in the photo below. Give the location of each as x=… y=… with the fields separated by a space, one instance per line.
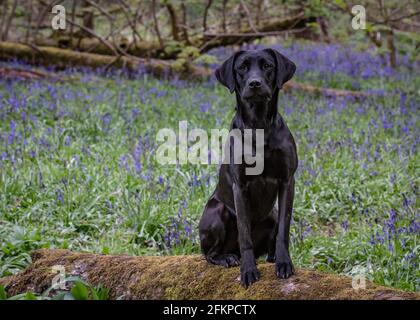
x=242 y=67
x=267 y=66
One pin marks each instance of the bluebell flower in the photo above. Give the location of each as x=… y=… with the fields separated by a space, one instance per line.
x=204 y=107
x=67 y=141
x=59 y=196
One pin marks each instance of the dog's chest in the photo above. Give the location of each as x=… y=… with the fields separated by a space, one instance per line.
x=278 y=164
x=262 y=193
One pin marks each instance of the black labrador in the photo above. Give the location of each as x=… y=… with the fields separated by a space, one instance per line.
x=242 y=219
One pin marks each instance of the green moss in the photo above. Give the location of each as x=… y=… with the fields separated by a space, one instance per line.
x=186 y=277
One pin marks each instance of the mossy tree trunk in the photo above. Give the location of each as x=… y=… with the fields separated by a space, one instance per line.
x=64 y=58
x=156 y=49
x=185 y=277
x=159 y=68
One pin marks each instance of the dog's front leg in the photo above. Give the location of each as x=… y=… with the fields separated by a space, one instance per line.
x=284 y=266
x=249 y=272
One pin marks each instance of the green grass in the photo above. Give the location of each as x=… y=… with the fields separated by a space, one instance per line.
x=70 y=179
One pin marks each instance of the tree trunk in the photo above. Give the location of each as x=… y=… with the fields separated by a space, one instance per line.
x=142 y=49
x=156 y=24
x=174 y=21
x=155 y=49
x=323 y=26
x=258 y=13
x=45 y=55
x=29 y=15
x=391 y=48
x=3 y=13
x=8 y=22
x=210 y=41
x=185 y=37
x=224 y=16
x=88 y=18
x=63 y=58
x=186 y=277
x=206 y=12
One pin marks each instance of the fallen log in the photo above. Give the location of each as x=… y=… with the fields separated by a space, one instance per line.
x=209 y=41
x=13 y=73
x=64 y=58
x=185 y=277
x=142 y=49
x=159 y=68
x=153 y=49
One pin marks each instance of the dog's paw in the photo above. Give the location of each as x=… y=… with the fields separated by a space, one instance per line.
x=270 y=258
x=232 y=261
x=284 y=268
x=249 y=276
x=225 y=260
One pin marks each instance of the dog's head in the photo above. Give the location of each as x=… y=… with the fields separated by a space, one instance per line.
x=255 y=74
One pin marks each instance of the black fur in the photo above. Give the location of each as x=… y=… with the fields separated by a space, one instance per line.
x=249 y=215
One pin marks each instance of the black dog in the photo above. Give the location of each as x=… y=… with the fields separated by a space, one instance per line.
x=242 y=219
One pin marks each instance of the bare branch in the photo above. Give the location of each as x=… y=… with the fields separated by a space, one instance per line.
x=184 y=23
x=156 y=23
x=28 y=27
x=260 y=4
x=44 y=11
x=93 y=34
x=253 y=34
x=9 y=21
x=224 y=15
x=100 y=9
x=206 y=11
x=248 y=15
x=131 y=23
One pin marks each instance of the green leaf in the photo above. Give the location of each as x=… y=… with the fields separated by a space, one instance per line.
x=99 y=293
x=20 y=296
x=3 y=294
x=103 y=294
x=94 y=294
x=80 y=291
x=30 y=296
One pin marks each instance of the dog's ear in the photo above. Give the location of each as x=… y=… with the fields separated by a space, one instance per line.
x=285 y=68
x=226 y=74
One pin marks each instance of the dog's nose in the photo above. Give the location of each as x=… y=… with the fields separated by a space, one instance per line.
x=254 y=83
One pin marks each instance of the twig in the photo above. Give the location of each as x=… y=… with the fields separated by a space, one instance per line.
x=206 y=11
x=103 y=11
x=131 y=23
x=43 y=13
x=251 y=24
x=93 y=34
x=254 y=34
